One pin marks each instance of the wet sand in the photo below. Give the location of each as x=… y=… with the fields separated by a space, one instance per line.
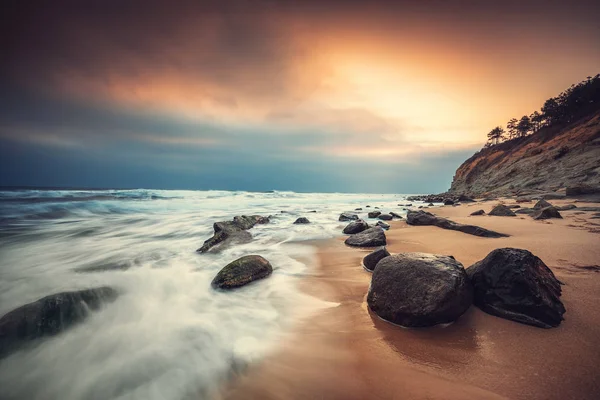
x=345 y=352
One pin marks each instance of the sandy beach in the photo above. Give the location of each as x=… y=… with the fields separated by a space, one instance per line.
x=346 y=352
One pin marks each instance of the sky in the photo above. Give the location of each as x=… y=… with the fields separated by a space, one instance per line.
x=311 y=96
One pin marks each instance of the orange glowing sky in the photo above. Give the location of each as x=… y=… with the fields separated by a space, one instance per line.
x=383 y=79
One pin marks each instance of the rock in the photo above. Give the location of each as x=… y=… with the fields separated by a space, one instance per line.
x=356 y=227
x=430 y=205
x=241 y=272
x=465 y=199
x=50 y=316
x=382 y=225
x=582 y=189
x=525 y=211
x=393 y=214
x=541 y=204
x=516 y=285
x=546 y=213
x=371 y=259
x=367 y=206
x=513 y=206
x=594 y=209
x=232 y=231
x=302 y=220
x=419 y=290
x=374 y=214
x=348 y=217
x=424 y=218
x=385 y=217
x=566 y=207
x=371 y=237
x=523 y=200
x=448 y=202
x=358 y=209
x=553 y=196
x=478 y=212
x=502 y=211
x=408 y=205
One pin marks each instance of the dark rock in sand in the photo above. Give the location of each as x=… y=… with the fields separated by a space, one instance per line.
x=356 y=227
x=516 y=285
x=502 y=211
x=383 y=225
x=50 y=316
x=241 y=272
x=371 y=237
x=424 y=218
x=541 y=204
x=465 y=199
x=566 y=207
x=393 y=214
x=527 y=211
x=448 y=202
x=232 y=231
x=430 y=205
x=478 y=212
x=419 y=290
x=371 y=260
x=513 y=206
x=374 y=214
x=546 y=213
x=385 y=217
x=302 y=220
x=348 y=217
x=582 y=189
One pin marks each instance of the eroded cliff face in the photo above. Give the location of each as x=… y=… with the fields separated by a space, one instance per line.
x=549 y=160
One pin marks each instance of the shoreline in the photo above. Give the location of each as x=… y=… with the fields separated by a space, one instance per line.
x=346 y=352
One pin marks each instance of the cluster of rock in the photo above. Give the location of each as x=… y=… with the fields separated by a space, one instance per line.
x=447 y=199
x=541 y=210
x=424 y=218
x=420 y=290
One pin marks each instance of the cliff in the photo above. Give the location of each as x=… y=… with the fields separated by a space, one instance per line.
x=549 y=160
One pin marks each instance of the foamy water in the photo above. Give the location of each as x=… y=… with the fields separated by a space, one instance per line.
x=169 y=335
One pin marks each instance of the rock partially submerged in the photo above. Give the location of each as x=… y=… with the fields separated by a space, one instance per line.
x=478 y=212
x=371 y=259
x=356 y=227
x=374 y=214
x=302 y=220
x=385 y=217
x=232 y=231
x=419 y=290
x=371 y=237
x=395 y=215
x=241 y=272
x=502 y=211
x=516 y=285
x=348 y=217
x=50 y=316
x=546 y=213
x=424 y=218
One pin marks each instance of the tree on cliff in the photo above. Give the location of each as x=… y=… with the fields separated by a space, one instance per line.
x=496 y=135
x=524 y=126
x=511 y=127
x=537 y=120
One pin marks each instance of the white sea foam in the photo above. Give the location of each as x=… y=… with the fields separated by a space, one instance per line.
x=168 y=335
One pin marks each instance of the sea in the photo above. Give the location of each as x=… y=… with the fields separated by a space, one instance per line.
x=168 y=335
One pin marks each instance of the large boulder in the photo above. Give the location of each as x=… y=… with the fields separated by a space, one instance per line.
x=418 y=289
x=546 y=213
x=541 y=204
x=356 y=227
x=424 y=218
x=232 y=231
x=516 y=285
x=371 y=237
x=385 y=217
x=448 y=202
x=374 y=214
x=302 y=220
x=371 y=259
x=347 y=217
x=502 y=211
x=463 y=198
x=50 y=316
x=241 y=272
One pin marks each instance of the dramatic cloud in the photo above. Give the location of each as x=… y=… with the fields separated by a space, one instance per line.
x=328 y=95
